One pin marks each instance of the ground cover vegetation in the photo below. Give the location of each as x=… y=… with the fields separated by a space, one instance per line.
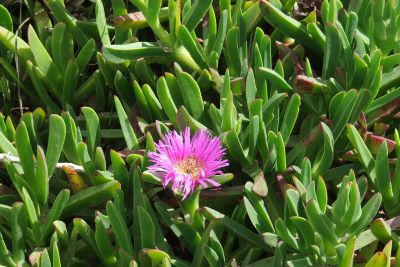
x=199 y=133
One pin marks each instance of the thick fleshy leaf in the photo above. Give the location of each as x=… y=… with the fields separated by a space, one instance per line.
x=129 y=134
x=25 y=153
x=120 y=229
x=57 y=133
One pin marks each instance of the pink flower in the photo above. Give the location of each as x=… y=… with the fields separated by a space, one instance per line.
x=187 y=162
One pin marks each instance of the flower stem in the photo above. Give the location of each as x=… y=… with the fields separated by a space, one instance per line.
x=191 y=204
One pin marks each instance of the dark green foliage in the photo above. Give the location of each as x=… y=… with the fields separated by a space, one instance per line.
x=304 y=99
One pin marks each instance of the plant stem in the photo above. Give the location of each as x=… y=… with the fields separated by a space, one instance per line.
x=60 y=165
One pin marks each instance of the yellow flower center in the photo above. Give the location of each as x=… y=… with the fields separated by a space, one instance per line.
x=189 y=166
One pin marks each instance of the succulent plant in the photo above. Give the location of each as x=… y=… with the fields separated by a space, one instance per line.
x=199 y=133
